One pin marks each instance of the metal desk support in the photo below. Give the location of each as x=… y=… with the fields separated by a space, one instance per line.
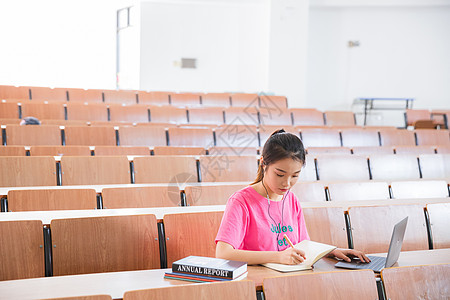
x=368 y=104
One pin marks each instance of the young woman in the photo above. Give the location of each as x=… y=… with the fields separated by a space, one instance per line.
x=257 y=217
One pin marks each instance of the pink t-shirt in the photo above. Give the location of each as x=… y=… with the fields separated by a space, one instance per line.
x=247 y=225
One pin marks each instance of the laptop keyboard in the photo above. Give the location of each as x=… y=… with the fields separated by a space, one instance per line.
x=377 y=263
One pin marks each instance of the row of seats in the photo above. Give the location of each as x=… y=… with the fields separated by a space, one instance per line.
x=189 y=194
x=136 y=242
x=252 y=115
x=428 y=281
x=225 y=136
x=139 y=97
x=79 y=170
x=188 y=150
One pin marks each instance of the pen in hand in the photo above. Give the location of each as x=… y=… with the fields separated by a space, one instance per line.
x=292 y=245
x=288 y=240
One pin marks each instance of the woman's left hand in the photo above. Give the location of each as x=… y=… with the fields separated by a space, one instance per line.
x=346 y=254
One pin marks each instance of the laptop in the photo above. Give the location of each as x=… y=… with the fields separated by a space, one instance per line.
x=378 y=263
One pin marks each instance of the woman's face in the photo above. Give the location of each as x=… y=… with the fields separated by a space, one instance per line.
x=281 y=175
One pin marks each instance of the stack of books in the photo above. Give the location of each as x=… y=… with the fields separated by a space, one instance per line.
x=207 y=269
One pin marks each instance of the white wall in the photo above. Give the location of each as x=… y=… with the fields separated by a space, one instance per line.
x=404 y=52
x=229 y=39
x=288 y=50
x=59 y=43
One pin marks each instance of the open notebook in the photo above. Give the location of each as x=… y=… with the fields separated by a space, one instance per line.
x=313 y=252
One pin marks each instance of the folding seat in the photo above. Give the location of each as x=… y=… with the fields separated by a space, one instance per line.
x=153 y=98
x=87 y=111
x=244 y=100
x=307 y=117
x=90 y=136
x=85 y=96
x=48 y=94
x=198 y=137
x=120 y=96
x=134 y=113
x=84 y=170
x=216 y=99
x=32 y=135
x=184 y=99
x=339 y=118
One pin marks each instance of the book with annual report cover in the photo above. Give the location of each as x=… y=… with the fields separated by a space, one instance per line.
x=209 y=267
x=199 y=278
x=313 y=252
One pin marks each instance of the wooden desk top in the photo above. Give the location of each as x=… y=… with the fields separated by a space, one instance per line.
x=117 y=283
x=99 y=187
x=47 y=216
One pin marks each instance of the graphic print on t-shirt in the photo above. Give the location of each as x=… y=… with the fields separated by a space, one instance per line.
x=279 y=229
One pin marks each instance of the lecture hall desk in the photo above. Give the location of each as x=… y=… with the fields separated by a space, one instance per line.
x=117 y=283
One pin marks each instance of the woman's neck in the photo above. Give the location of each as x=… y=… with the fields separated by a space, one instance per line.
x=266 y=192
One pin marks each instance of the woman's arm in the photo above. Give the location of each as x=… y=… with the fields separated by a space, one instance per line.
x=289 y=256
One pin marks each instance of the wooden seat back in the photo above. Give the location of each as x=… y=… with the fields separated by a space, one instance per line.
x=27 y=171
x=9 y=110
x=82 y=170
x=310 y=191
x=87 y=111
x=154 y=98
x=233 y=136
x=394 y=167
x=104 y=244
x=397 y=137
x=210 y=194
x=307 y=117
x=85 y=96
x=351 y=285
x=320 y=137
x=165 y=169
x=43 y=110
x=339 y=118
x=48 y=94
x=417 y=282
x=366 y=190
x=419 y=189
x=440 y=225
x=435 y=166
x=239 y=290
x=342 y=167
x=199 y=137
x=228 y=168
x=432 y=137
x=372 y=227
x=133 y=113
x=184 y=99
x=191 y=234
x=168 y=114
x=120 y=96
x=141 y=197
x=326 y=225
x=206 y=115
x=90 y=135
x=32 y=135
x=357 y=137
x=21 y=250
x=51 y=199
x=216 y=99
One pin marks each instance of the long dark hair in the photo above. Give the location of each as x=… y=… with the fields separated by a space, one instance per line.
x=280 y=145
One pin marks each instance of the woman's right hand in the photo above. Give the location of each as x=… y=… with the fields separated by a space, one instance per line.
x=291 y=256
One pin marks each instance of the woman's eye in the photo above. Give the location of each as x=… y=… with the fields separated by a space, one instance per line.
x=295 y=176
x=279 y=175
